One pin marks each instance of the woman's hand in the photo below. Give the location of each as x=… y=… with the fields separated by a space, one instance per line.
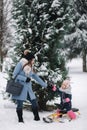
x=28 y=79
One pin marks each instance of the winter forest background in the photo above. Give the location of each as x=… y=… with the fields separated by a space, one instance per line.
x=54 y=30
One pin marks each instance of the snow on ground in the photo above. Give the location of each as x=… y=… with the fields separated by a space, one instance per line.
x=8 y=118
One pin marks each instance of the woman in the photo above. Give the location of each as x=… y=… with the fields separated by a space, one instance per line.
x=26 y=67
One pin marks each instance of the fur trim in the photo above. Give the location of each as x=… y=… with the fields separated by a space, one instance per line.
x=27 y=68
x=24 y=61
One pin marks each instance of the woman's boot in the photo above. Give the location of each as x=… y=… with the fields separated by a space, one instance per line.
x=20 y=114
x=36 y=115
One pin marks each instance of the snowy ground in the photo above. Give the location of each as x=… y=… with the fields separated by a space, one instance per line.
x=8 y=118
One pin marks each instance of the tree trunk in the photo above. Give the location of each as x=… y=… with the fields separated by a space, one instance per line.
x=41 y=100
x=1 y=59
x=84 y=61
x=1 y=33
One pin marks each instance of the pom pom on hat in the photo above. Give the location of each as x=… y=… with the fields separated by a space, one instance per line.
x=26 y=52
x=28 y=55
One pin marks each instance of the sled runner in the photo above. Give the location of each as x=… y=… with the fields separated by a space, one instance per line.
x=59 y=116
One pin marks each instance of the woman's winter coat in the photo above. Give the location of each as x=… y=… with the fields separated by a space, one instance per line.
x=27 y=85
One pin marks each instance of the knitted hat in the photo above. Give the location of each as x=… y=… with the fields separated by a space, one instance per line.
x=29 y=56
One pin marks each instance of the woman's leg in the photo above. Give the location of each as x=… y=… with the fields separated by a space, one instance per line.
x=34 y=108
x=19 y=110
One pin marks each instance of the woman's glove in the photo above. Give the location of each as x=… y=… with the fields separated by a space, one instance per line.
x=52 y=86
x=28 y=79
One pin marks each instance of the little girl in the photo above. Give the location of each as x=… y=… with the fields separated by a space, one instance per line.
x=66 y=97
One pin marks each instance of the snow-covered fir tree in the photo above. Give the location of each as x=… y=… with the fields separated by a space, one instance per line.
x=76 y=40
x=40 y=27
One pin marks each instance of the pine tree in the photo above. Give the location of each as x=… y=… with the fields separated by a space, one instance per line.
x=81 y=7
x=76 y=40
x=41 y=26
x=1 y=33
